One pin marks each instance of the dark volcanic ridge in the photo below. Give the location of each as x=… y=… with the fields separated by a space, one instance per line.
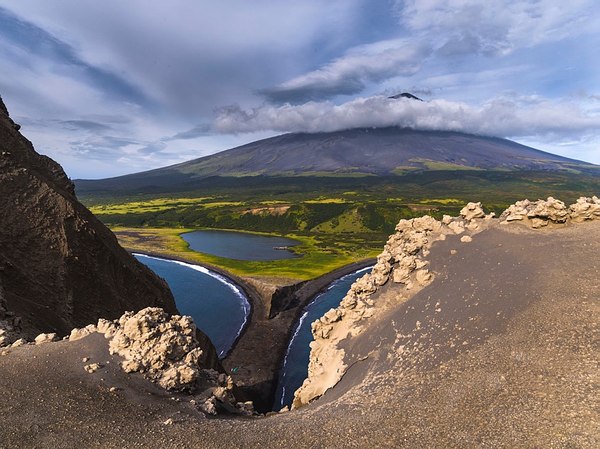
x=60 y=267
x=350 y=153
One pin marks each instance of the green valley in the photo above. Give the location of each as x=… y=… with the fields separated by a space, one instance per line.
x=337 y=220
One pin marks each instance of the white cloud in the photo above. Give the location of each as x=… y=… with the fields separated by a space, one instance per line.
x=497 y=27
x=435 y=32
x=131 y=85
x=515 y=117
x=350 y=73
x=189 y=56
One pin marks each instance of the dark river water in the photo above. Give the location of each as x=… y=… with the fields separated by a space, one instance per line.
x=219 y=307
x=240 y=245
x=295 y=365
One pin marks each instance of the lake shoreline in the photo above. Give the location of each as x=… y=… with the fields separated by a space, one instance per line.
x=241 y=246
x=256 y=356
x=242 y=301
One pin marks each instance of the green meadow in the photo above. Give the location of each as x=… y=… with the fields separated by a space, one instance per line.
x=337 y=220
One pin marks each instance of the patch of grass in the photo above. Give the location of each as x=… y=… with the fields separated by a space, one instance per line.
x=454 y=201
x=325 y=200
x=404 y=169
x=349 y=221
x=437 y=165
x=319 y=255
x=151 y=205
x=338 y=220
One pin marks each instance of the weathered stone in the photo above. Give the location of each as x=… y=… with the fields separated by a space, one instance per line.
x=537 y=223
x=457 y=227
x=472 y=211
x=92 y=367
x=551 y=210
x=423 y=276
x=466 y=239
x=585 y=209
x=19 y=342
x=154 y=343
x=45 y=338
x=77 y=334
x=165 y=350
x=537 y=214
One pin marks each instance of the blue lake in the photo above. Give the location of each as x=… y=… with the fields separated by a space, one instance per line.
x=240 y=245
x=295 y=366
x=219 y=307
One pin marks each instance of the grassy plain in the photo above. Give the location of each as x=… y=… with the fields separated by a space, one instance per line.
x=319 y=254
x=337 y=220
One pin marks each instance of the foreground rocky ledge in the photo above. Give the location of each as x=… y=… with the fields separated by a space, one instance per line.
x=165 y=350
x=404 y=261
x=498 y=350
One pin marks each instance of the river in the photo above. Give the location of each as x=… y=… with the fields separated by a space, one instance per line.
x=221 y=309
x=295 y=364
x=218 y=306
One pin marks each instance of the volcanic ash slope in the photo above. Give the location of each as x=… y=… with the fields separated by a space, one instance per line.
x=471 y=332
x=477 y=329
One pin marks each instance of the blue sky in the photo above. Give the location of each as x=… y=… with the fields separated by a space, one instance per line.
x=112 y=87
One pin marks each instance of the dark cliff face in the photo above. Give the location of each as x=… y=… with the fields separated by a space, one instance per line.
x=59 y=266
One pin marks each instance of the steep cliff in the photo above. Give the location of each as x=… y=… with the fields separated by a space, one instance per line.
x=59 y=266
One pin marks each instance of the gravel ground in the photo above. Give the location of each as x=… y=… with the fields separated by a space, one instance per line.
x=500 y=351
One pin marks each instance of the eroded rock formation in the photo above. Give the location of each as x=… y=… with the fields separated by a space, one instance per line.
x=59 y=266
x=541 y=213
x=166 y=350
x=584 y=209
x=404 y=262
x=537 y=213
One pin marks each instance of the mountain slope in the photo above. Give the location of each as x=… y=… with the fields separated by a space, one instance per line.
x=349 y=153
x=59 y=266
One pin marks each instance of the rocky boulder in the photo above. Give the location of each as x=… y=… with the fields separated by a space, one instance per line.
x=472 y=211
x=538 y=213
x=585 y=208
x=165 y=349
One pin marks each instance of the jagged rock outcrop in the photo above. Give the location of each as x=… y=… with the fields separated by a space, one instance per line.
x=585 y=208
x=540 y=213
x=537 y=213
x=59 y=266
x=165 y=350
x=404 y=262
